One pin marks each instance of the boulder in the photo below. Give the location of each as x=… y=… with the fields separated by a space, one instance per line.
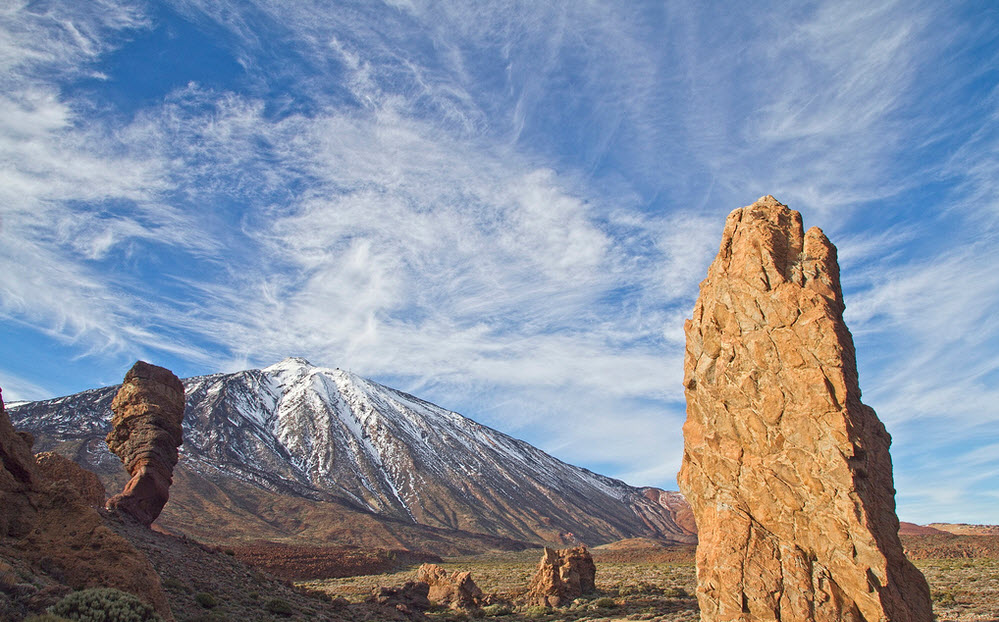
x=786 y=470
x=562 y=576
x=146 y=432
x=54 y=468
x=409 y=599
x=457 y=590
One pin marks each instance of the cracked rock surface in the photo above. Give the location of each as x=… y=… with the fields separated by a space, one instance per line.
x=787 y=471
x=148 y=413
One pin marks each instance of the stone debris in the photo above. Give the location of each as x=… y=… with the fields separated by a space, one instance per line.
x=787 y=471
x=409 y=599
x=146 y=432
x=562 y=576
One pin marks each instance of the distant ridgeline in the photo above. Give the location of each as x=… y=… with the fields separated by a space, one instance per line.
x=301 y=453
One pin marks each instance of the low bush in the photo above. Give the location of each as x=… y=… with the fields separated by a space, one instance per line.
x=605 y=603
x=175 y=584
x=279 y=606
x=206 y=600
x=491 y=611
x=104 y=605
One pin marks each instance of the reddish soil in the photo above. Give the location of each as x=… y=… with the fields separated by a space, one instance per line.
x=912 y=529
x=949 y=546
x=305 y=563
x=643 y=550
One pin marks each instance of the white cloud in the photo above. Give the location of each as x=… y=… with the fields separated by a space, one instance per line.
x=17 y=389
x=509 y=205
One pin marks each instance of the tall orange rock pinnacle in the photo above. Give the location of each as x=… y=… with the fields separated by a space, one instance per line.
x=146 y=432
x=787 y=471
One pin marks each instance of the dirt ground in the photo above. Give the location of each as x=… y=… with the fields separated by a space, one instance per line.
x=964 y=590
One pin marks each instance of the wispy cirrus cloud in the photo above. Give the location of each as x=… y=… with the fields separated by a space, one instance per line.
x=505 y=209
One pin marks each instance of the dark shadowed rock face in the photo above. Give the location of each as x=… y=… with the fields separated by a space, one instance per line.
x=787 y=471
x=57 y=468
x=562 y=575
x=148 y=413
x=17 y=477
x=410 y=600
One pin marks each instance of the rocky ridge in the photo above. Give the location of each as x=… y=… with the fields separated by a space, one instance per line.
x=349 y=460
x=787 y=471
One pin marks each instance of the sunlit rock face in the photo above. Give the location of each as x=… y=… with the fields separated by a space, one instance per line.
x=148 y=413
x=562 y=576
x=787 y=471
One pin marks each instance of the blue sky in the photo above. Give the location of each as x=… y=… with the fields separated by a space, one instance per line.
x=505 y=208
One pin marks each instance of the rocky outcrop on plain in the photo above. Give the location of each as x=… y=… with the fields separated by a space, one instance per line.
x=456 y=590
x=787 y=471
x=148 y=412
x=562 y=576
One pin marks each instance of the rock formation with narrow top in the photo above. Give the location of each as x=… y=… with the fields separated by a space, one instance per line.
x=562 y=575
x=148 y=412
x=787 y=471
x=456 y=590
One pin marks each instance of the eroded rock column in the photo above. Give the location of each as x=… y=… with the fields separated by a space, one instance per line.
x=562 y=575
x=146 y=432
x=787 y=471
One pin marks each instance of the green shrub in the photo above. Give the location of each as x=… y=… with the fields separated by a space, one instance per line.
x=943 y=597
x=104 y=605
x=46 y=617
x=206 y=600
x=605 y=603
x=676 y=592
x=279 y=606
x=175 y=584
x=496 y=610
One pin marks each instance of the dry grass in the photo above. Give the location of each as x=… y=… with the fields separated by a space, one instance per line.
x=964 y=590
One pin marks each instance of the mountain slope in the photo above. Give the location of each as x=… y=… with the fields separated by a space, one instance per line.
x=329 y=439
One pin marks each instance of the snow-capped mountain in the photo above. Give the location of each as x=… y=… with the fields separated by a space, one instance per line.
x=329 y=436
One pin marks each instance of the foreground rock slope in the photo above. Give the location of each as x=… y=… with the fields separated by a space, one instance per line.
x=52 y=539
x=301 y=453
x=146 y=432
x=787 y=471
